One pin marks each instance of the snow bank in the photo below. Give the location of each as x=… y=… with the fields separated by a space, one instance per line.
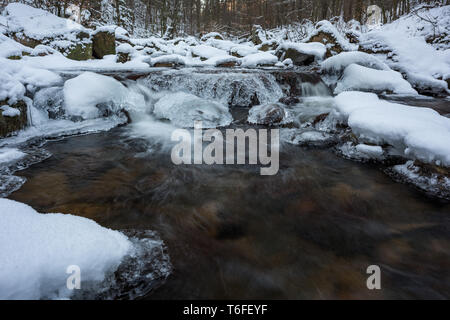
x=314 y=48
x=259 y=59
x=83 y=94
x=422 y=63
x=37 y=249
x=183 y=109
x=416 y=132
x=338 y=63
x=357 y=77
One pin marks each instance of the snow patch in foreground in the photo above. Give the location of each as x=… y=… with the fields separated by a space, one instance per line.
x=418 y=133
x=357 y=77
x=183 y=109
x=37 y=249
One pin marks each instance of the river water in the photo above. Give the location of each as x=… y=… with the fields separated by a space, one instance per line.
x=309 y=232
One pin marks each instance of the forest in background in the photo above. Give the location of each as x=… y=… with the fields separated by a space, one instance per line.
x=172 y=18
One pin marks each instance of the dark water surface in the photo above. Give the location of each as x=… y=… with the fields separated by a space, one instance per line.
x=309 y=232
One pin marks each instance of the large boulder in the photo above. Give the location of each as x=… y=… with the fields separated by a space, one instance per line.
x=104 y=42
x=13 y=117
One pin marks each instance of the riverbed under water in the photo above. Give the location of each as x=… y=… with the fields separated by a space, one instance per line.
x=308 y=232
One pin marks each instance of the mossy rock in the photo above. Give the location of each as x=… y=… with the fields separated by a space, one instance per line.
x=80 y=52
x=9 y=125
x=14 y=57
x=104 y=43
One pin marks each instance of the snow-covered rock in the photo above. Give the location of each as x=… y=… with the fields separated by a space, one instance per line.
x=207 y=52
x=301 y=53
x=171 y=60
x=269 y=114
x=37 y=250
x=7 y=111
x=83 y=95
x=183 y=109
x=259 y=59
x=222 y=61
x=213 y=35
x=327 y=34
x=39 y=24
x=242 y=50
x=417 y=133
x=360 y=78
x=338 y=63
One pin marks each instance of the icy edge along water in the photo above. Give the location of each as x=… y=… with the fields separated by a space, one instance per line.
x=37 y=250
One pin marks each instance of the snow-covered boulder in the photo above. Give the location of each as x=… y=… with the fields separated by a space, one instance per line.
x=301 y=53
x=261 y=59
x=269 y=114
x=104 y=42
x=124 y=52
x=337 y=64
x=360 y=78
x=415 y=132
x=225 y=61
x=37 y=250
x=212 y=35
x=242 y=50
x=328 y=35
x=167 y=61
x=32 y=27
x=183 y=109
x=92 y=95
x=206 y=52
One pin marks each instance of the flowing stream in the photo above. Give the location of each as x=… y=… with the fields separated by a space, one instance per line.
x=309 y=232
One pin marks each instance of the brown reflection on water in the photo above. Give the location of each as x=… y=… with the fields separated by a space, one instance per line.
x=309 y=232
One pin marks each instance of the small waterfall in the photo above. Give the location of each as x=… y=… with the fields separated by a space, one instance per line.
x=318 y=89
x=237 y=88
